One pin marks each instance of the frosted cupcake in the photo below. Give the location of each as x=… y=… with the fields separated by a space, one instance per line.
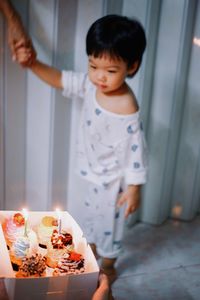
x=45 y=229
x=73 y=263
x=32 y=266
x=54 y=255
x=13 y=228
x=58 y=247
x=61 y=240
x=24 y=246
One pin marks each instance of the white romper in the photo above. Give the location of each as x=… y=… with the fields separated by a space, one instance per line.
x=110 y=154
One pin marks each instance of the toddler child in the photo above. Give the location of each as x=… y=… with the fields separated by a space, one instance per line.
x=111 y=149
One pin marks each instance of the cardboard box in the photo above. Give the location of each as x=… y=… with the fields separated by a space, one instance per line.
x=76 y=287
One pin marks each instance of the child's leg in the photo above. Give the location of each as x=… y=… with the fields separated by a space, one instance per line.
x=94 y=250
x=89 y=218
x=109 y=221
x=108 y=268
x=104 y=222
x=108 y=263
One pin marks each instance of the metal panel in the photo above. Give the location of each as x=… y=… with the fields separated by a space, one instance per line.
x=88 y=11
x=155 y=204
x=187 y=174
x=15 y=127
x=40 y=109
x=112 y=7
x=63 y=59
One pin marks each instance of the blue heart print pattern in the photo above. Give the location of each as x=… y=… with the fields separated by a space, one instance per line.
x=88 y=122
x=107 y=232
x=117 y=215
x=117 y=243
x=130 y=130
x=105 y=185
x=136 y=165
x=134 y=147
x=97 y=111
x=83 y=173
x=95 y=190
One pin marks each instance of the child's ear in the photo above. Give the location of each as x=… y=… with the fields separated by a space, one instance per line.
x=133 y=68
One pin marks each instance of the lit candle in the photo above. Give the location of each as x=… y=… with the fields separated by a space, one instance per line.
x=25 y=214
x=59 y=219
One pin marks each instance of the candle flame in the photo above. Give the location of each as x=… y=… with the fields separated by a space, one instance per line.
x=177 y=210
x=58 y=212
x=196 y=41
x=25 y=213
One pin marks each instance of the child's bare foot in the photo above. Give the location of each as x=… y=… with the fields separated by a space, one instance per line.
x=111 y=274
x=103 y=291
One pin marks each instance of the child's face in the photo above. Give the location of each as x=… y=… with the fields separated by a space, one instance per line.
x=106 y=73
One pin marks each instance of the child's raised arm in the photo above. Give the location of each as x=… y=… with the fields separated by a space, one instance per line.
x=48 y=74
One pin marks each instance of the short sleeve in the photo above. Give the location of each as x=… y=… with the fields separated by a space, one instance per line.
x=136 y=159
x=74 y=83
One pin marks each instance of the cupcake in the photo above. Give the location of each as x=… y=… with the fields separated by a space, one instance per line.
x=54 y=255
x=32 y=266
x=24 y=246
x=45 y=230
x=13 y=228
x=59 y=246
x=73 y=263
x=61 y=240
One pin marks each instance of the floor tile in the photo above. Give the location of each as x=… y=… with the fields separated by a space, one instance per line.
x=160 y=262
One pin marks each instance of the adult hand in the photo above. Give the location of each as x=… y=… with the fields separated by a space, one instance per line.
x=16 y=31
x=25 y=54
x=17 y=36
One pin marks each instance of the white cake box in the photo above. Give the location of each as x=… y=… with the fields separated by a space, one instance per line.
x=76 y=287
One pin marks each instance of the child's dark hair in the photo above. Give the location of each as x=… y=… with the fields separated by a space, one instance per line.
x=118 y=36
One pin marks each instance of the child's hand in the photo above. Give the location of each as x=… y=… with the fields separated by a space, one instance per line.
x=24 y=55
x=132 y=197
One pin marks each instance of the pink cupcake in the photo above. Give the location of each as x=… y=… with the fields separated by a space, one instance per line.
x=13 y=228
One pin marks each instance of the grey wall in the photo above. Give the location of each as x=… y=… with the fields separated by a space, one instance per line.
x=38 y=125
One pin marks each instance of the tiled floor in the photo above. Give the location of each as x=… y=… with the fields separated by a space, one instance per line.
x=158 y=263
